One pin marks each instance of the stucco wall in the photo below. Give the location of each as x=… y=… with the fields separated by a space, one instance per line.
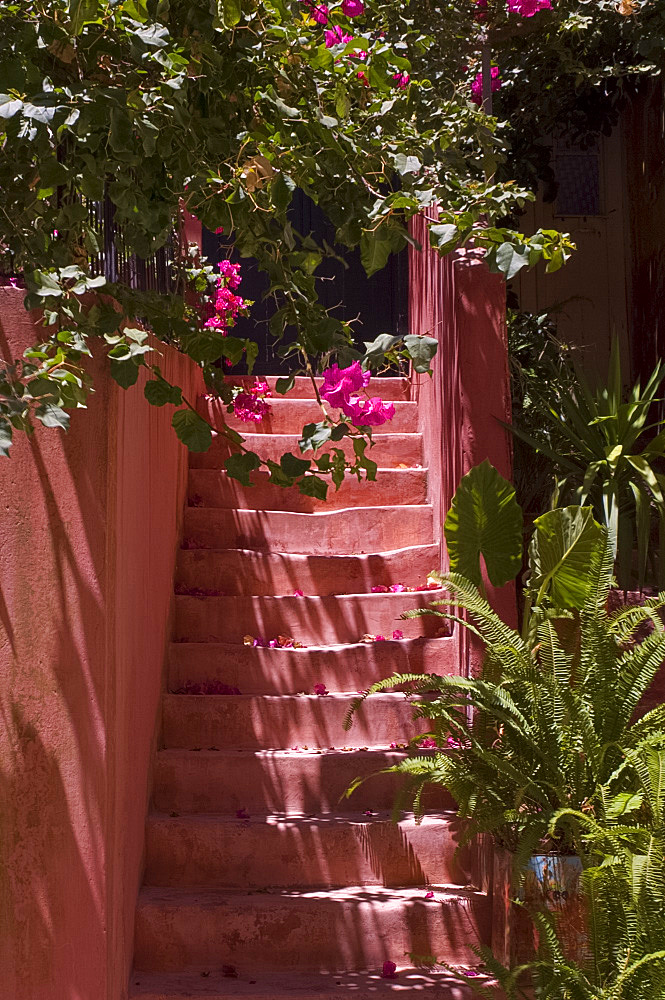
x=89 y=526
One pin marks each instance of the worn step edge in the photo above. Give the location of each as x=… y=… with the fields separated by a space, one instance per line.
x=238 y=571
x=354 y=666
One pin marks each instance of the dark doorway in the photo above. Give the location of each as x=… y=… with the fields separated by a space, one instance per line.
x=379 y=303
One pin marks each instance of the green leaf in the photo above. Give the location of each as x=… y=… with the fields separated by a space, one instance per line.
x=125 y=373
x=375 y=249
x=485 y=519
x=294 y=467
x=561 y=553
x=9 y=106
x=192 y=429
x=285 y=384
x=158 y=392
x=52 y=416
x=509 y=259
x=312 y=486
x=421 y=351
x=314 y=436
x=240 y=465
x=443 y=238
x=82 y=12
x=231 y=12
x=281 y=191
x=5 y=437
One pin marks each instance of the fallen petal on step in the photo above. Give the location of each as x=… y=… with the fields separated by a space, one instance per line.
x=321 y=690
x=298 y=593
x=398 y=634
x=429 y=895
x=389 y=971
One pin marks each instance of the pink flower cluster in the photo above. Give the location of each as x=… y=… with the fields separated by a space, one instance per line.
x=400 y=588
x=527 y=8
x=336 y=36
x=228 y=306
x=251 y=405
x=340 y=388
x=477 y=85
x=281 y=642
x=401 y=80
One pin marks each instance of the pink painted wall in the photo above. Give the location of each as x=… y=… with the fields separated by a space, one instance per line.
x=88 y=534
x=460 y=303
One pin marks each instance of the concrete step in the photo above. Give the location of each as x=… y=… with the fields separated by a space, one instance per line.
x=234 y=985
x=328 y=851
x=265 y=721
x=289 y=416
x=302 y=782
x=390 y=451
x=386 y=388
x=286 y=671
x=355 y=928
x=210 y=488
x=353 y=531
x=245 y=571
x=309 y=620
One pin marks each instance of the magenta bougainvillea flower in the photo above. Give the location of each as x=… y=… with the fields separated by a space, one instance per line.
x=321 y=690
x=429 y=895
x=250 y=404
x=477 y=85
x=353 y=8
x=527 y=8
x=368 y=412
x=402 y=80
x=470 y=973
x=389 y=971
x=318 y=12
x=398 y=634
x=298 y=593
x=428 y=743
x=340 y=383
x=336 y=36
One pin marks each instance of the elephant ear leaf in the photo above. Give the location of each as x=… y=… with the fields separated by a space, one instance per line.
x=485 y=519
x=561 y=555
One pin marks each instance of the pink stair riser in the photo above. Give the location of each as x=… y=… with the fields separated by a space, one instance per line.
x=286 y=671
x=390 y=451
x=309 y=620
x=289 y=416
x=351 y=928
x=320 y=852
x=302 y=782
x=244 y=571
x=263 y=722
x=209 y=488
x=386 y=388
x=353 y=531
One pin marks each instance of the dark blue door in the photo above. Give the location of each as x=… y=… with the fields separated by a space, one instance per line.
x=379 y=304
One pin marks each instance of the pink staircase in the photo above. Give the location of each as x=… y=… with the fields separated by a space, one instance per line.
x=261 y=879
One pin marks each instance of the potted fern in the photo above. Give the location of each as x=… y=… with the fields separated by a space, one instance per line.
x=551 y=717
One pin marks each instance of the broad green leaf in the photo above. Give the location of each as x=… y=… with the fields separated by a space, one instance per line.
x=314 y=436
x=312 y=486
x=231 y=12
x=509 y=260
x=560 y=555
x=9 y=106
x=158 y=392
x=192 y=430
x=82 y=12
x=294 y=467
x=443 y=237
x=240 y=465
x=421 y=351
x=375 y=249
x=125 y=373
x=52 y=416
x=485 y=519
